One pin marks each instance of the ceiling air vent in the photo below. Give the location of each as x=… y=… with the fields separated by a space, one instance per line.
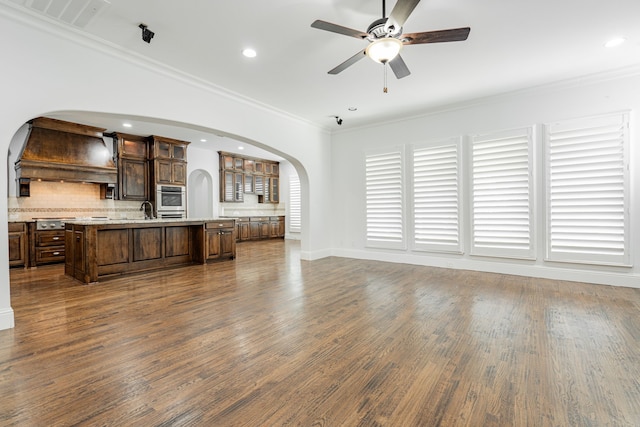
x=75 y=12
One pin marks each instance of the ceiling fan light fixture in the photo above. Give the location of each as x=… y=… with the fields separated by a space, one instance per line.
x=384 y=50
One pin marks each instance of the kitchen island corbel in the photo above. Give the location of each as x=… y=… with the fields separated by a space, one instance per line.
x=98 y=249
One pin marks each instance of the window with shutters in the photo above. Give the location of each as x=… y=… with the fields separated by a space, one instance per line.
x=501 y=194
x=587 y=190
x=437 y=197
x=295 y=211
x=385 y=199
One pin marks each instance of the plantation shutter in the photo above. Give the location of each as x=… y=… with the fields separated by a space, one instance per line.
x=502 y=219
x=587 y=190
x=295 y=211
x=384 y=200
x=436 y=198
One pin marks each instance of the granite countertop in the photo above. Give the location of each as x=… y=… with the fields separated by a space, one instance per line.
x=141 y=221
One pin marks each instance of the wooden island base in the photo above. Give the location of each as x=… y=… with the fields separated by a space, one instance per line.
x=98 y=249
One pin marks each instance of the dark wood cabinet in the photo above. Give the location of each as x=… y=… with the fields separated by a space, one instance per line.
x=259 y=228
x=98 y=250
x=220 y=240
x=134 y=181
x=132 y=152
x=243 y=229
x=246 y=175
x=169 y=160
x=18 y=244
x=49 y=246
x=276 y=226
x=268 y=189
x=231 y=186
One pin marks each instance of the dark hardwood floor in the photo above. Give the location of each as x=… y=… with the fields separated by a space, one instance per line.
x=269 y=340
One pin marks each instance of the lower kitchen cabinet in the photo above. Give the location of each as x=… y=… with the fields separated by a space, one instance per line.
x=243 y=229
x=220 y=240
x=49 y=246
x=18 y=245
x=259 y=228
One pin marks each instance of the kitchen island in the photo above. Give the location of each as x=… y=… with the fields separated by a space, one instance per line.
x=99 y=249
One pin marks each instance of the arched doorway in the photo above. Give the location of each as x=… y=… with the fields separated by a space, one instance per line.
x=200 y=195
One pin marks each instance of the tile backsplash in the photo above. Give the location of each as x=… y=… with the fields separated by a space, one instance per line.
x=69 y=199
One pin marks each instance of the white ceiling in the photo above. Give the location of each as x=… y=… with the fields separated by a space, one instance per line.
x=513 y=44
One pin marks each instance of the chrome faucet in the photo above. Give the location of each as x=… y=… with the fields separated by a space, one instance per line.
x=143 y=208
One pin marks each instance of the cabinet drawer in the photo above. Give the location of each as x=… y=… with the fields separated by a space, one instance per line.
x=259 y=218
x=44 y=255
x=17 y=227
x=221 y=224
x=50 y=238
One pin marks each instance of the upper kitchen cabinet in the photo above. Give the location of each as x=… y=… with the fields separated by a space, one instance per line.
x=132 y=152
x=169 y=160
x=241 y=175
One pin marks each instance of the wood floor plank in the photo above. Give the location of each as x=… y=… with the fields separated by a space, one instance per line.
x=268 y=339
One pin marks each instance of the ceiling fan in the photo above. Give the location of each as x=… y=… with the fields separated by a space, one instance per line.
x=386 y=38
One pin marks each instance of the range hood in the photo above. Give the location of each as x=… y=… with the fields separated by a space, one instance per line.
x=56 y=150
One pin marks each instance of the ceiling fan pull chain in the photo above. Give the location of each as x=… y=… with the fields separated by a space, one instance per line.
x=385 y=77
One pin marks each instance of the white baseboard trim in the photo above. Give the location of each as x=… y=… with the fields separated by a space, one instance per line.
x=516 y=268
x=6 y=318
x=315 y=255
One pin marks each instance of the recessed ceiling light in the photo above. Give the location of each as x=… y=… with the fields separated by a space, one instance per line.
x=614 y=42
x=353 y=108
x=127 y=125
x=241 y=148
x=203 y=140
x=249 y=53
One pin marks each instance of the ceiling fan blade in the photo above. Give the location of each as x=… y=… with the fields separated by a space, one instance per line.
x=399 y=67
x=452 y=35
x=401 y=12
x=334 y=28
x=349 y=62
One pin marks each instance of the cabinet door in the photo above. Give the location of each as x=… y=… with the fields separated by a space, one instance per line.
x=265 y=230
x=213 y=244
x=227 y=186
x=227 y=243
x=179 y=152
x=281 y=227
x=249 y=186
x=259 y=167
x=179 y=173
x=244 y=231
x=275 y=191
x=249 y=166
x=255 y=230
x=17 y=248
x=238 y=186
x=258 y=184
x=133 y=179
x=163 y=149
x=266 y=189
x=163 y=171
x=274 y=228
x=226 y=162
x=131 y=148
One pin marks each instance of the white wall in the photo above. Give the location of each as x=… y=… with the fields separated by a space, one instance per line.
x=579 y=98
x=45 y=70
